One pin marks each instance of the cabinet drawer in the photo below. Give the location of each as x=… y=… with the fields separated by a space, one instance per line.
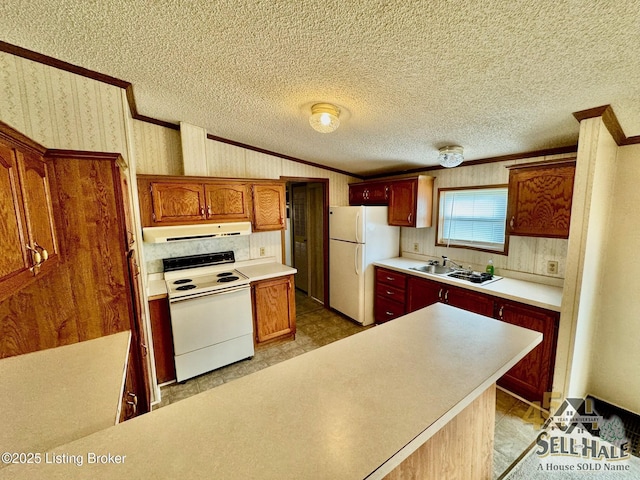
x=390 y=293
x=386 y=309
x=389 y=277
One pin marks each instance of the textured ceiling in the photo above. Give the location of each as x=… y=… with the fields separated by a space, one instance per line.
x=497 y=77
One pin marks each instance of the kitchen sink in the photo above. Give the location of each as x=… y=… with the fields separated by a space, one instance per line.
x=436 y=269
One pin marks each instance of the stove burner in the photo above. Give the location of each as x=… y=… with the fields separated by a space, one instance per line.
x=227 y=279
x=186 y=287
x=224 y=274
x=182 y=280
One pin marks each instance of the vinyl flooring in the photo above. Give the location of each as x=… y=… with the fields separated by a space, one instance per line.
x=316 y=327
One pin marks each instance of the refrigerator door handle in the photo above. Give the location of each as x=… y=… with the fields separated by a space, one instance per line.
x=355 y=259
x=357 y=224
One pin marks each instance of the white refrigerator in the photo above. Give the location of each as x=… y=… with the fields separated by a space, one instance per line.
x=358 y=237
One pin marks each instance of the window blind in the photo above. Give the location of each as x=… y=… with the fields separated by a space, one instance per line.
x=473 y=217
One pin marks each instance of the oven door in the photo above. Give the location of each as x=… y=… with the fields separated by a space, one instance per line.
x=199 y=322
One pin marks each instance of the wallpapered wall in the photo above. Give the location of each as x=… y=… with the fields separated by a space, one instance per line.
x=527 y=255
x=59 y=109
x=62 y=110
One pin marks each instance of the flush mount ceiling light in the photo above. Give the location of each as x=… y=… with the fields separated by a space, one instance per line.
x=325 y=118
x=450 y=156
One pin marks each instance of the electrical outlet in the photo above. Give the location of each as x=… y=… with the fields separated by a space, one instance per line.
x=552 y=267
x=262 y=251
x=416 y=247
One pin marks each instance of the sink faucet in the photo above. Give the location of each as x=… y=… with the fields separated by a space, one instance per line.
x=446 y=259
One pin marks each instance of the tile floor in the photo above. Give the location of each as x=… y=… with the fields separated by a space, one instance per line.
x=316 y=327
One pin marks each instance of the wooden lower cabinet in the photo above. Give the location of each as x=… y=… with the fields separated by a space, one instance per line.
x=533 y=375
x=162 y=340
x=274 y=311
x=133 y=396
x=390 y=295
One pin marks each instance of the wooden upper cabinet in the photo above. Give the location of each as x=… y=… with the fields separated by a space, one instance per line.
x=170 y=200
x=177 y=202
x=411 y=202
x=540 y=199
x=228 y=201
x=369 y=193
x=27 y=228
x=268 y=206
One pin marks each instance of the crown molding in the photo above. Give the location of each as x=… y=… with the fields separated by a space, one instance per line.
x=610 y=121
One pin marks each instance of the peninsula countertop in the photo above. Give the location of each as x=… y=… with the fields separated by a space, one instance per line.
x=531 y=293
x=351 y=410
x=54 y=396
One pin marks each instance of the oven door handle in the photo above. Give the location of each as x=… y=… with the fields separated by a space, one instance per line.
x=210 y=294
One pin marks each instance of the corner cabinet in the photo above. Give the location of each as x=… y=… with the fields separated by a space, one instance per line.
x=410 y=200
x=27 y=227
x=274 y=310
x=540 y=197
x=268 y=206
x=533 y=375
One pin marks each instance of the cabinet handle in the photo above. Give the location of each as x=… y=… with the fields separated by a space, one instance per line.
x=208 y=209
x=390 y=279
x=132 y=239
x=389 y=292
x=409 y=218
x=446 y=296
x=500 y=312
x=389 y=314
x=36 y=258
x=440 y=294
x=512 y=221
x=202 y=211
x=43 y=252
x=145 y=348
x=133 y=406
x=135 y=398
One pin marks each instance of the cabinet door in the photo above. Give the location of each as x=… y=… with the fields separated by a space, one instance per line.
x=162 y=340
x=177 y=202
x=532 y=376
x=422 y=293
x=540 y=201
x=358 y=193
x=469 y=300
x=13 y=235
x=274 y=309
x=139 y=347
x=37 y=203
x=130 y=406
x=268 y=206
x=227 y=201
x=378 y=194
x=402 y=203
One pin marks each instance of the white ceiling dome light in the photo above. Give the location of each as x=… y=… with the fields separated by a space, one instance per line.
x=450 y=156
x=325 y=118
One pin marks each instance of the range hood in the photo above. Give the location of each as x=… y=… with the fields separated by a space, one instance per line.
x=195 y=232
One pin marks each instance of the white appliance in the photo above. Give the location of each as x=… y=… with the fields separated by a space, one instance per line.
x=211 y=318
x=358 y=237
x=194 y=232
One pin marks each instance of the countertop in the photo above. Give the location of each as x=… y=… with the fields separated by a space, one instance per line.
x=353 y=409
x=530 y=293
x=256 y=269
x=52 y=397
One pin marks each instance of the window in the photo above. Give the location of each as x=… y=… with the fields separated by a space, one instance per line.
x=473 y=217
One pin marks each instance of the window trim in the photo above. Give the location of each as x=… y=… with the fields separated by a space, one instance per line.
x=505 y=249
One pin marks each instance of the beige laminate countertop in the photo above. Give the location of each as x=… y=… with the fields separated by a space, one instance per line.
x=353 y=409
x=52 y=397
x=530 y=293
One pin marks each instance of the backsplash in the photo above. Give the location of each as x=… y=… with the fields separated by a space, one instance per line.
x=245 y=248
